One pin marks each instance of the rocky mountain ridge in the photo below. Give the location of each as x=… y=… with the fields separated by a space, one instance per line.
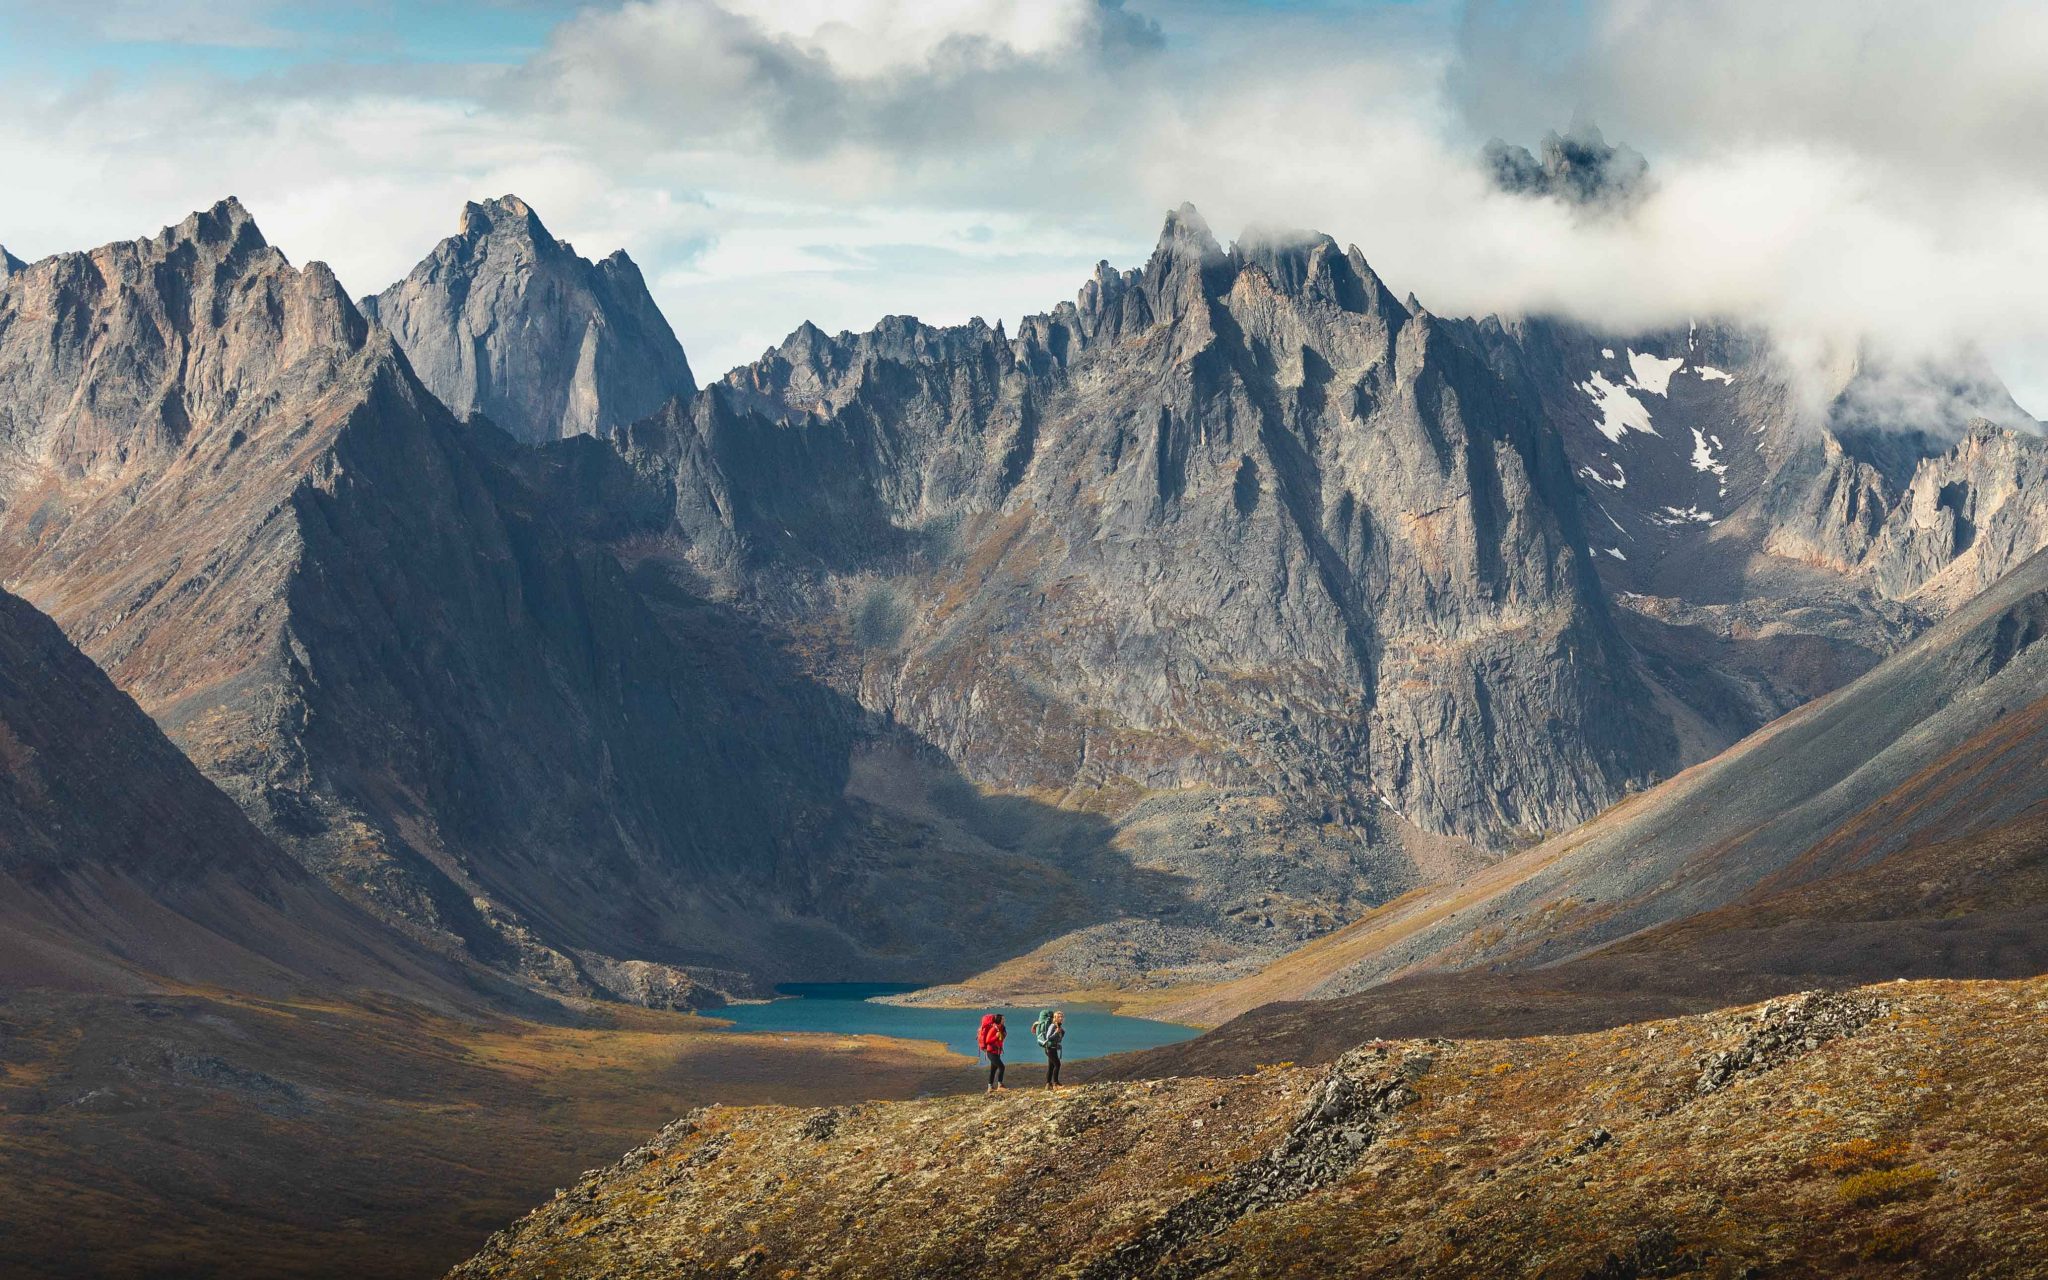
x=1235 y=589
x=953 y=526
x=1233 y=535
x=363 y=619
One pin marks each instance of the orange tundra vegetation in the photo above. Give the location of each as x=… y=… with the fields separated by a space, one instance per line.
x=1895 y=1130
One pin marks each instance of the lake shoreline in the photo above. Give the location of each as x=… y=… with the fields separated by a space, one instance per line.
x=1094 y=1028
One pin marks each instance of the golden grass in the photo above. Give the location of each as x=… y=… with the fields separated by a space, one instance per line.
x=1918 y=1146
x=412 y=1134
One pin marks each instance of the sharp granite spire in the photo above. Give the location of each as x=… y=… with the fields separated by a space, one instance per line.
x=505 y=320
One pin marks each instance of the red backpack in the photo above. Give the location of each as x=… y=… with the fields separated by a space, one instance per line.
x=991 y=1037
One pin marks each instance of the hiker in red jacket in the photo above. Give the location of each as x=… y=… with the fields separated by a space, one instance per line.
x=991 y=1042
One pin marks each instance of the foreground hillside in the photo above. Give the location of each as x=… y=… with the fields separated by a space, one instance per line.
x=213 y=1065
x=196 y=1132
x=1976 y=907
x=1893 y=1130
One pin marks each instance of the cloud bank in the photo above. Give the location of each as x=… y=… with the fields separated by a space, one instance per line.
x=1875 y=169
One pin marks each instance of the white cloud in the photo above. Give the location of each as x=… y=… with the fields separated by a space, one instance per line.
x=769 y=161
x=874 y=37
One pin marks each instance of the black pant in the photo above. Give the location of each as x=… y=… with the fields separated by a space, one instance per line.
x=995 y=1069
x=1052 y=1065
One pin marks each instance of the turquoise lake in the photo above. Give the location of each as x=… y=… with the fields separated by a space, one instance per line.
x=845 y=1008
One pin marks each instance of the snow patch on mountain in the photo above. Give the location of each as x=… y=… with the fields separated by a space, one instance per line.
x=1653 y=373
x=1703 y=457
x=1708 y=373
x=1620 y=480
x=1675 y=516
x=1620 y=412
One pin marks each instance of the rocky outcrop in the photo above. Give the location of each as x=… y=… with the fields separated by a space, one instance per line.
x=1967 y=516
x=505 y=320
x=9 y=264
x=1345 y=1114
x=1785 y=1030
x=1832 y=507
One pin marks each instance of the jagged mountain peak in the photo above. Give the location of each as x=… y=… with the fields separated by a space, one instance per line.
x=503 y=319
x=505 y=219
x=189 y=329
x=9 y=264
x=226 y=221
x=1186 y=232
x=1302 y=263
x=478 y=214
x=1981 y=430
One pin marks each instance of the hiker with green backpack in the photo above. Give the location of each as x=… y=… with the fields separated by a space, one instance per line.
x=1051 y=1032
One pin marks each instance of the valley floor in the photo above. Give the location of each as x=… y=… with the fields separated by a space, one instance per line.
x=1899 y=1129
x=202 y=1134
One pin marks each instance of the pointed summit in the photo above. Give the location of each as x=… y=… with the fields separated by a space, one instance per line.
x=9 y=264
x=505 y=320
x=1186 y=234
x=1290 y=258
x=506 y=216
x=227 y=222
x=1186 y=267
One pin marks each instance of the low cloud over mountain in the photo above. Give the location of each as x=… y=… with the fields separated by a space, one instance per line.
x=772 y=163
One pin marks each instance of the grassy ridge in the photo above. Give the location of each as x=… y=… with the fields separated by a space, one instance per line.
x=1895 y=1130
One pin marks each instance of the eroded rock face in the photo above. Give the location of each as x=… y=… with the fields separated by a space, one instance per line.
x=361 y=619
x=1967 y=516
x=1833 y=508
x=505 y=320
x=1234 y=518
x=1749 y=523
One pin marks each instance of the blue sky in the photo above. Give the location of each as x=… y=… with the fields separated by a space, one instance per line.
x=1842 y=170
x=244 y=39
x=253 y=37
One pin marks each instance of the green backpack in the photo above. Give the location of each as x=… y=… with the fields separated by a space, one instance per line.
x=1041 y=1027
